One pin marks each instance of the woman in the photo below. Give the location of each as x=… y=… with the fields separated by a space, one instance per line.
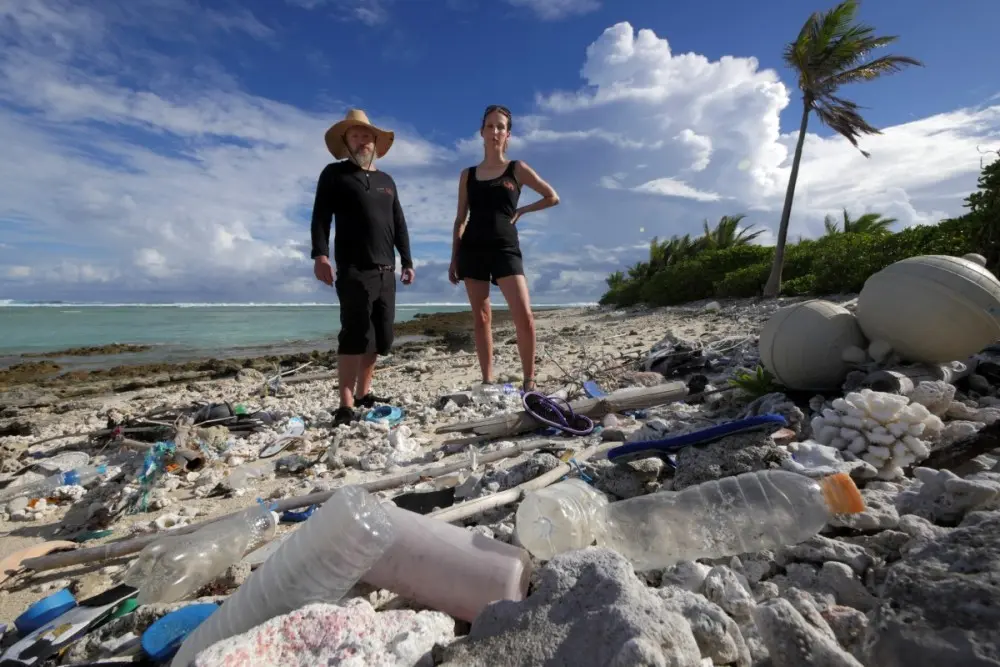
x=485 y=246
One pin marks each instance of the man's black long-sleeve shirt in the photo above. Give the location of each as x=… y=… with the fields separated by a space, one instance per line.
x=368 y=220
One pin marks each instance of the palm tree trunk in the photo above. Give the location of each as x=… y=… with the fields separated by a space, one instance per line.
x=773 y=286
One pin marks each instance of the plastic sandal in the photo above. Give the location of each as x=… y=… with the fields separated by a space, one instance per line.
x=548 y=411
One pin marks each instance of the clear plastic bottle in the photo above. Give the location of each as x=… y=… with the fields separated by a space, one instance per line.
x=733 y=515
x=174 y=566
x=42 y=487
x=319 y=562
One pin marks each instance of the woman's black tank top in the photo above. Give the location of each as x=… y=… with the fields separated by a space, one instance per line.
x=492 y=204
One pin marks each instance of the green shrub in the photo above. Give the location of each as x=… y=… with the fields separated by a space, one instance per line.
x=624 y=295
x=745 y=282
x=800 y=286
x=684 y=281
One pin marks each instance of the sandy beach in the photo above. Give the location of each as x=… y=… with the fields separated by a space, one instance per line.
x=713 y=340
x=571 y=343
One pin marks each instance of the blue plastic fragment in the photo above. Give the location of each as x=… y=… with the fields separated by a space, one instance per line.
x=162 y=639
x=44 y=610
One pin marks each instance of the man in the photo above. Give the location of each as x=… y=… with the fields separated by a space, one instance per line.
x=368 y=225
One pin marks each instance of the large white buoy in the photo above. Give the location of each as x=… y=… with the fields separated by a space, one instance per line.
x=932 y=308
x=802 y=345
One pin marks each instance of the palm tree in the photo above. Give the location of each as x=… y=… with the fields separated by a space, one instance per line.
x=869 y=223
x=616 y=279
x=728 y=233
x=831 y=50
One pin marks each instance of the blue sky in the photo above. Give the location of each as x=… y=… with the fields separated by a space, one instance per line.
x=167 y=150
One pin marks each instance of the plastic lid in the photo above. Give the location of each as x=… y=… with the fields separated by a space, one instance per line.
x=162 y=639
x=44 y=611
x=841 y=494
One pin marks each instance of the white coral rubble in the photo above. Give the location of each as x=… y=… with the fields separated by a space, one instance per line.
x=886 y=430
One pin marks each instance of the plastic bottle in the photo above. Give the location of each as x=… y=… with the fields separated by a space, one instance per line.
x=448 y=568
x=725 y=517
x=174 y=566
x=492 y=393
x=319 y=562
x=39 y=489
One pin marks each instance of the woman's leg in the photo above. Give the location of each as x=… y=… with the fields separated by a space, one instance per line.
x=482 y=320
x=515 y=291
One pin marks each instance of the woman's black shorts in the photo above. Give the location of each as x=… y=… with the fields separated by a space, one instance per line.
x=489 y=264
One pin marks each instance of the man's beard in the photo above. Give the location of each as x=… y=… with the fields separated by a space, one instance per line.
x=364 y=157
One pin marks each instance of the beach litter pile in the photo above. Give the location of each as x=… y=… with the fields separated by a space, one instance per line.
x=794 y=483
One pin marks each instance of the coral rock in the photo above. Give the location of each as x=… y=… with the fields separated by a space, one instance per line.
x=886 y=430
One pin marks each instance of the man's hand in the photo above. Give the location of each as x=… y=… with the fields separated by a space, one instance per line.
x=453 y=272
x=323 y=270
x=407 y=276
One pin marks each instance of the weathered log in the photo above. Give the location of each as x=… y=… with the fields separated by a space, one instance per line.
x=904 y=379
x=622 y=400
x=480 y=505
x=963 y=451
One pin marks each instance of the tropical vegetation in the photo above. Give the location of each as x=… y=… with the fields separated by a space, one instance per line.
x=724 y=262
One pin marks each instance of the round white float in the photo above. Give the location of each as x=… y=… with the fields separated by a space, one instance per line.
x=932 y=308
x=802 y=344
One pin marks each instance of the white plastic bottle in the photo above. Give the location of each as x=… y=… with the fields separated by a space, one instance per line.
x=80 y=476
x=319 y=562
x=733 y=515
x=448 y=568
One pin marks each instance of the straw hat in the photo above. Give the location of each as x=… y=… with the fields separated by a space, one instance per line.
x=356 y=118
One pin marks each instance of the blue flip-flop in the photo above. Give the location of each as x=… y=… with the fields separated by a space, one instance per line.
x=632 y=451
x=386 y=413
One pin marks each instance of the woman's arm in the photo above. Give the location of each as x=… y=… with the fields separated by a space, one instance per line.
x=526 y=175
x=461 y=215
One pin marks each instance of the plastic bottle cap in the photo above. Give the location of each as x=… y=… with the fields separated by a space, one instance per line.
x=162 y=639
x=841 y=494
x=44 y=611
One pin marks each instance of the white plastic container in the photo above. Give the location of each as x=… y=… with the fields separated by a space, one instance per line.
x=319 y=562
x=733 y=515
x=448 y=568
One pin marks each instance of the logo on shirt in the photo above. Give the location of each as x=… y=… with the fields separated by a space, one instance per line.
x=509 y=185
x=384 y=191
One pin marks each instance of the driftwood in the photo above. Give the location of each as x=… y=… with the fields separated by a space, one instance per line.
x=904 y=380
x=595 y=408
x=963 y=451
x=133 y=545
x=480 y=505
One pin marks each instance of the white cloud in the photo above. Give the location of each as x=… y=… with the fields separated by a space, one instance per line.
x=552 y=10
x=369 y=12
x=121 y=186
x=671 y=187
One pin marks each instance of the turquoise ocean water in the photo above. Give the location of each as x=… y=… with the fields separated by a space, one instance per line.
x=180 y=332
x=176 y=332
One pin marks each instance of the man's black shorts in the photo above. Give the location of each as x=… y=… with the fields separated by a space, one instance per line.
x=489 y=264
x=367 y=309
